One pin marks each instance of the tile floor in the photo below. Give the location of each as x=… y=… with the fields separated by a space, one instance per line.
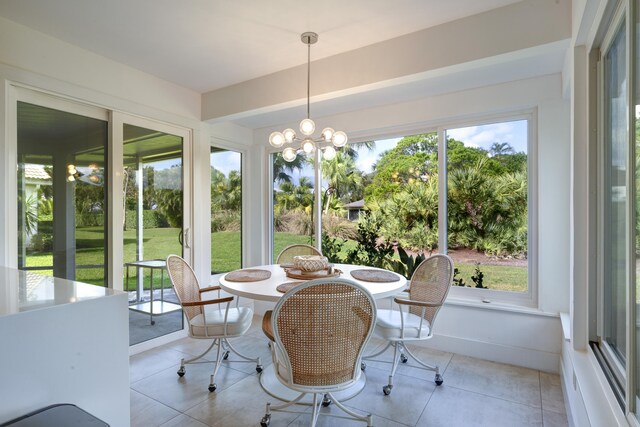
x=475 y=392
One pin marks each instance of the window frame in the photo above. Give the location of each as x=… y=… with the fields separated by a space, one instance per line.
x=491 y=296
x=480 y=297
x=222 y=145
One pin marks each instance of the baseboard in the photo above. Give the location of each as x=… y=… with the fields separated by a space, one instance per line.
x=524 y=357
x=157 y=342
x=573 y=402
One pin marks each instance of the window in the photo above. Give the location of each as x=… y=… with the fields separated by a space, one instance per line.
x=226 y=210
x=383 y=199
x=615 y=202
x=488 y=205
x=618 y=238
x=292 y=189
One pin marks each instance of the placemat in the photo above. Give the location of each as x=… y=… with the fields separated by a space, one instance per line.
x=248 y=275
x=287 y=286
x=370 y=275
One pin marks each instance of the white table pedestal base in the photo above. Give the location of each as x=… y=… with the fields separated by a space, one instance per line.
x=275 y=388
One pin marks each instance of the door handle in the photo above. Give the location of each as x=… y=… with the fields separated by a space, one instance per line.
x=186 y=238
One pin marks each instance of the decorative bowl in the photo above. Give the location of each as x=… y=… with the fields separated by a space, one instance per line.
x=310 y=263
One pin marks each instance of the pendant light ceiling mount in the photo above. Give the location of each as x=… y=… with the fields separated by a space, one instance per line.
x=308 y=144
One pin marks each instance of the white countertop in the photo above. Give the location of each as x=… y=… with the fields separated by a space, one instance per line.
x=23 y=291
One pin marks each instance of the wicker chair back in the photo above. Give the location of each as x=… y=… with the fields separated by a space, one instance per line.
x=431 y=282
x=322 y=327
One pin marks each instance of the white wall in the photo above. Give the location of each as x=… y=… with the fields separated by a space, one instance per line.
x=472 y=328
x=71 y=353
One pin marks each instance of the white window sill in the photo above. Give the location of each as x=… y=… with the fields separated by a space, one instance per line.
x=496 y=305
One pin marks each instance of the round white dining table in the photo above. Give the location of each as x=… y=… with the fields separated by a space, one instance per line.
x=265 y=290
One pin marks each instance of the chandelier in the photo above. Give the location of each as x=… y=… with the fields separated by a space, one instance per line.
x=307 y=143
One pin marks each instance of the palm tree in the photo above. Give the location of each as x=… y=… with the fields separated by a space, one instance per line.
x=351 y=150
x=281 y=167
x=342 y=174
x=501 y=148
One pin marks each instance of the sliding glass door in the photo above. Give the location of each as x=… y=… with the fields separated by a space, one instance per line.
x=62 y=190
x=155 y=224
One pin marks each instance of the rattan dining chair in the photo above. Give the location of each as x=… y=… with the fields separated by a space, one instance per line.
x=287 y=254
x=428 y=289
x=320 y=329
x=213 y=319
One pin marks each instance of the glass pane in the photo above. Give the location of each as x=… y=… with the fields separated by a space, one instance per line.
x=153 y=203
x=226 y=210
x=487 y=205
x=62 y=194
x=293 y=184
x=615 y=219
x=380 y=204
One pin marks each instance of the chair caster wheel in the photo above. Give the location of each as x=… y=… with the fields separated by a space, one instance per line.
x=403 y=358
x=181 y=371
x=259 y=368
x=212 y=388
x=363 y=366
x=326 y=401
x=387 y=390
x=264 y=422
x=438 y=379
x=226 y=355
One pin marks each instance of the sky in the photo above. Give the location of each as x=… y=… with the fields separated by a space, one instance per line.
x=226 y=161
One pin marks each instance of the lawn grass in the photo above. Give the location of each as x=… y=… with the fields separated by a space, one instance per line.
x=282 y=240
x=226 y=256
x=157 y=244
x=497 y=277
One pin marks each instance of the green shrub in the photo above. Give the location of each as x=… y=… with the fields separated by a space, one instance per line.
x=331 y=248
x=150 y=219
x=90 y=220
x=226 y=220
x=41 y=242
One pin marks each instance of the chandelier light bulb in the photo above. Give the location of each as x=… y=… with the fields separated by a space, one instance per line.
x=339 y=139
x=289 y=135
x=276 y=139
x=329 y=153
x=289 y=154
x=327 y=134
x=307 y=127
x=308 y=146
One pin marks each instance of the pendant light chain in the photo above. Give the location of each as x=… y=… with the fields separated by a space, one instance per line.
x=308 y=77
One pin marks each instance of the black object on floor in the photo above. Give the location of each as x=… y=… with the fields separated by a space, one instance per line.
x=60 y=415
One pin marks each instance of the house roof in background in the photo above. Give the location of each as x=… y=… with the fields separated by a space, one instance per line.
x=358 y=204
x=35 y=172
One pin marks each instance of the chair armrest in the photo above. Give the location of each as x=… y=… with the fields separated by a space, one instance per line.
x=207 y=302
x=210 y=288
x=267 y=328
x=403 y=301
